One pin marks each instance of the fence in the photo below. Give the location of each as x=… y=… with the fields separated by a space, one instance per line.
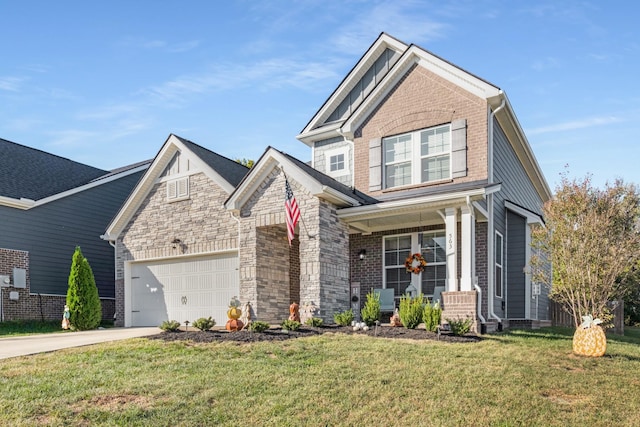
x=560 y=317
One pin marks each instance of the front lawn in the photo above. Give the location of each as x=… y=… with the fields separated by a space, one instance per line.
x=519 y=378
x=28 y=327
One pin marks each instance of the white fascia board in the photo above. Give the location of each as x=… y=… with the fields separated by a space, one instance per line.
x=324 y=132
x=141 y=190
x=410 y=204
x=416 y=55
x=532 y=218
x=22 y=203
x=27 y=204
x=523 y=149
x=274 y=159
x=375 y=50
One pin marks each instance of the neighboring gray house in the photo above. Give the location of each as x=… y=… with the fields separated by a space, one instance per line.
x=48 y=206
x=411 y=156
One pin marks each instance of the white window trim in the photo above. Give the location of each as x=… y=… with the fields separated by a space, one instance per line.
x=498 y=263
x=336 y=152
x=416 y=279
x=416 y=158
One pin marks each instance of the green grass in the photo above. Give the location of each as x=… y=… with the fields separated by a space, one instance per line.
x=510 y=379
x=28 y=327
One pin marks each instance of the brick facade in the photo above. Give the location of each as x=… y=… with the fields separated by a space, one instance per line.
x=422 y=99
x=459 y=306
x=30 y=306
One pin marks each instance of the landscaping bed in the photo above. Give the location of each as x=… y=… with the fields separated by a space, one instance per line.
x=277 y=334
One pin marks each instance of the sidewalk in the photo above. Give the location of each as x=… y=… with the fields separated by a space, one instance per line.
x=43 y=343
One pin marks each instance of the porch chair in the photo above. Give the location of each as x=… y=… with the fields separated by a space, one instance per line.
x=387 y=300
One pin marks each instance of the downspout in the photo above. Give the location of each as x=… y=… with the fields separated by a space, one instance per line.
x=352 y=160
x=490 y=226
x=473 y=264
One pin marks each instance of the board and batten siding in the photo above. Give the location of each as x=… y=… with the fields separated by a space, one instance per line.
x=517 y=188
x=51 y=232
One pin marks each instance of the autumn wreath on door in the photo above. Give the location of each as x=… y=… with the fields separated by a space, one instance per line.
x=415 y=263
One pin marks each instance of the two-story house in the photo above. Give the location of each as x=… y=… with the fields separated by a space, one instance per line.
x=48 y=206
x=412 y=157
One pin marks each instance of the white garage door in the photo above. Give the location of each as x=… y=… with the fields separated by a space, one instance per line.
x=183 y=289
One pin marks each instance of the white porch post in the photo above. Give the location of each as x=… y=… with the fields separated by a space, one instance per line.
x=467 y=248
x=451 y=226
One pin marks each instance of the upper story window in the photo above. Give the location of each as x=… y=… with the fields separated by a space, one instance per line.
x=417 y=157
x=499 y=263
x=337 y=161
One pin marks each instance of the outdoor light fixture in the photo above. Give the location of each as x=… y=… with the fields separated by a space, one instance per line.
x=175 y=242
x=362 y=254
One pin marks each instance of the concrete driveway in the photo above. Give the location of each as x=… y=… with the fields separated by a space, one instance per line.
x=43 y=343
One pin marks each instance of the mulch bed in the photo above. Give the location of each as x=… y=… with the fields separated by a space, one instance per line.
x=195 y=335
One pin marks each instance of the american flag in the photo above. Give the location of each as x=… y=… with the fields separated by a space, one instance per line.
x=292 y=211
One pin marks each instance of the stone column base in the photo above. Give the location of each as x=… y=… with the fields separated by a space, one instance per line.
x=461 y=305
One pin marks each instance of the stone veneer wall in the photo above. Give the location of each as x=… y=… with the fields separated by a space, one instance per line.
x=30 y=306
x=201 y=222
x=323 y=248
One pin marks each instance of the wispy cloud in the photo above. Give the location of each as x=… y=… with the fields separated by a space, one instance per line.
x=576 y=124
x=154 y=44
x=276 y=72
x=11 y=84
x=71 y=138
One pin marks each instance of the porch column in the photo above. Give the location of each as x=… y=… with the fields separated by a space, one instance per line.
x=468 y=233
x=451 y=226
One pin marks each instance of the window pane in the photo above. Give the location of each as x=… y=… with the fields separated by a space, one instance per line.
x=336 y=162
x=498 y=281
x=498 y=249
x=435 y=168
x=434 y=141
x=404 y=242
x=397 y=149
x=398 y=174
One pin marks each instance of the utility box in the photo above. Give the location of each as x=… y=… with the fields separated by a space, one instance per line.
x=14 y=296
x=19 y=278
x=5 y=281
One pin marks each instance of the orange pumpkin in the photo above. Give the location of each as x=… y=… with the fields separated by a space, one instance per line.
x=234 y=325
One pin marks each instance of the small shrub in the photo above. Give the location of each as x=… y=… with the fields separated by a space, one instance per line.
x=344 y=319
x=460 y=326
x=316 y=322
x=431 y=316
x=290 y=325
x=371 y=311
x=258 y=326
x=411 y=310
x=170 y=325
x=204 y=324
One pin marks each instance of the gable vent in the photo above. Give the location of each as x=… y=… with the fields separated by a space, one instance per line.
x=178 y=189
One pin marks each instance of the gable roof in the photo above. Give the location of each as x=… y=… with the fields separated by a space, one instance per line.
x=28 y=173
x=410 y=56
x=317 y=183
x=225 y=172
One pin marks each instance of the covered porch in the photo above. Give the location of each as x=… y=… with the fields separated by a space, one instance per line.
x=449 y=229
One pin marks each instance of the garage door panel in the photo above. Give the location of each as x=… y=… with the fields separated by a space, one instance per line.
x=184 y=289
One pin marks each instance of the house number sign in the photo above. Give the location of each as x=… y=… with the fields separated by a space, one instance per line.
x=183 y=300
x=450 y=249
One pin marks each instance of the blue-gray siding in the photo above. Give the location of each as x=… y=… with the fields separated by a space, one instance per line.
x=516 y=187
x=51 y=232
x=515 y=251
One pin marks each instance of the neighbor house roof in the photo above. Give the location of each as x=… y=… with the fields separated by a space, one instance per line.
x=28 y=173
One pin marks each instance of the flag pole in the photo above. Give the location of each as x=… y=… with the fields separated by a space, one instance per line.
x=301 y=219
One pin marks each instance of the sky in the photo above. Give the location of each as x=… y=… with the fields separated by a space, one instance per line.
x=105 y=83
